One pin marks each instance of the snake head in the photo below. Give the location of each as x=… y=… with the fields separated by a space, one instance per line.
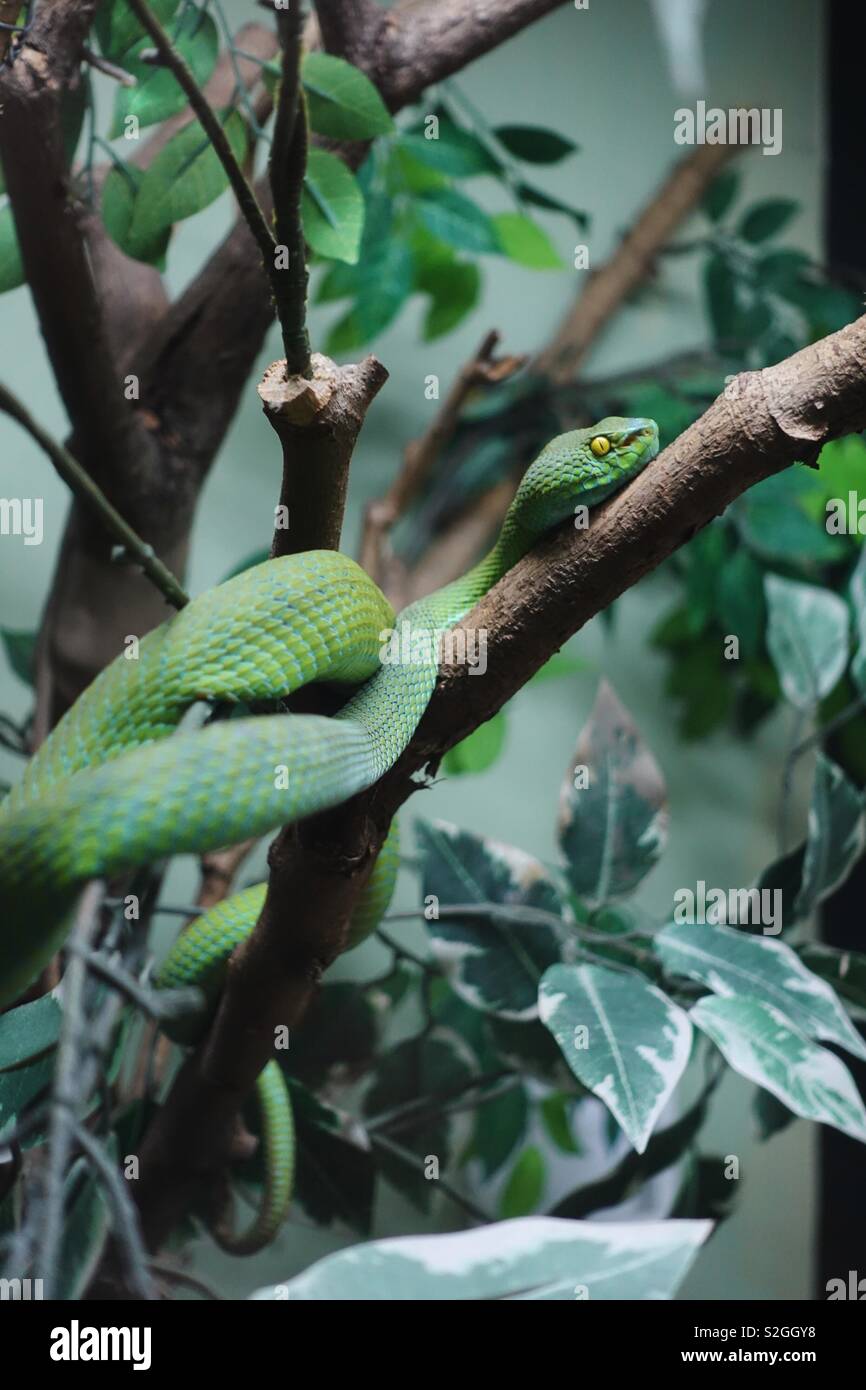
x=583 y=467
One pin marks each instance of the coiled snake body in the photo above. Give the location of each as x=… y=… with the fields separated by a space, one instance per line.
x=109 y=790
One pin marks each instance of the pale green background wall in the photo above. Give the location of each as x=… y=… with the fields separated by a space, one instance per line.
x=599 y=76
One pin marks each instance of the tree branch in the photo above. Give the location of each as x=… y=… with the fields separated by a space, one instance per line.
x=349 y=27
x=420 y=43
x=762 y=423
x=286 y=169
x=317 y=422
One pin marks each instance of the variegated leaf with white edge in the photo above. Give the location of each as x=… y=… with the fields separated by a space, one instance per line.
x=494 y=963
x=623 y=1039
x=531 y=1258
x=613 y=805
x=807 y=638
x=837 y=834
x=761 y=1044
x=733 y=963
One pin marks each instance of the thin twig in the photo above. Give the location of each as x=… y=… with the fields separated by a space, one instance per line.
x=120 y=75
x=156 y=1004
x=410 y=1111
x=125 y=1218
x=87 y=491
x=286 y=167
x=65 y=1093
x=415 y=1161
x=213 y=128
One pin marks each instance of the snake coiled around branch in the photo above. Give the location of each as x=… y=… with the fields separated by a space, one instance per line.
x=118 y=785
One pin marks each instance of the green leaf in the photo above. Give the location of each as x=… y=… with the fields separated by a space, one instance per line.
x=633 y=1171
x=454 y=289
x=525 y=1186
x=785 y=875
x=613 y=805
x=332 y=208
x=720 y=288
x=20 y=649
x=706 y=1191
x=537 y=198
x=381 y=282
x=721 y=194
x=857 y=592
x=523 y=241
x=341 y=100
x=453 y=151
x=500 y=1124
x=531 y=1258
x=456 y=220
x=340 y=1033
x=534 y=144
x=158 y=94
x=29 y=1031
x=779 y=270
x=479 y=750
x=844 y=970
x=782 y=520
x=807 y=638
x=335 y=1180
x=530 y=1049
x=624 y=1039
x=11 y=266
x=119 y=193
x=423 y=1066
x=765 y=219
x=771 y=1115
x=19 y=1089
x=186 y=176
x=117 y=29
x=837 y=835
x=739 y=601
x=555 y=1114
x=761 y=1044
x=493 y=963
x=733 y=963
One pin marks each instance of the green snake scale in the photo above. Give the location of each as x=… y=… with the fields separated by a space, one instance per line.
x=118 y=784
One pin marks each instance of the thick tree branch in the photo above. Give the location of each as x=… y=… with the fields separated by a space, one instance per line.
x=421 y=43
x=349 y=28
x=317 y=422
x=763 y=422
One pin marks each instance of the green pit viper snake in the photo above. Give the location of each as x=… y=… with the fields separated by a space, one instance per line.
x=109 y=790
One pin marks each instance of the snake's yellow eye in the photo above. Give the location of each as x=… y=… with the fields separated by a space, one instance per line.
x=600 y=446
